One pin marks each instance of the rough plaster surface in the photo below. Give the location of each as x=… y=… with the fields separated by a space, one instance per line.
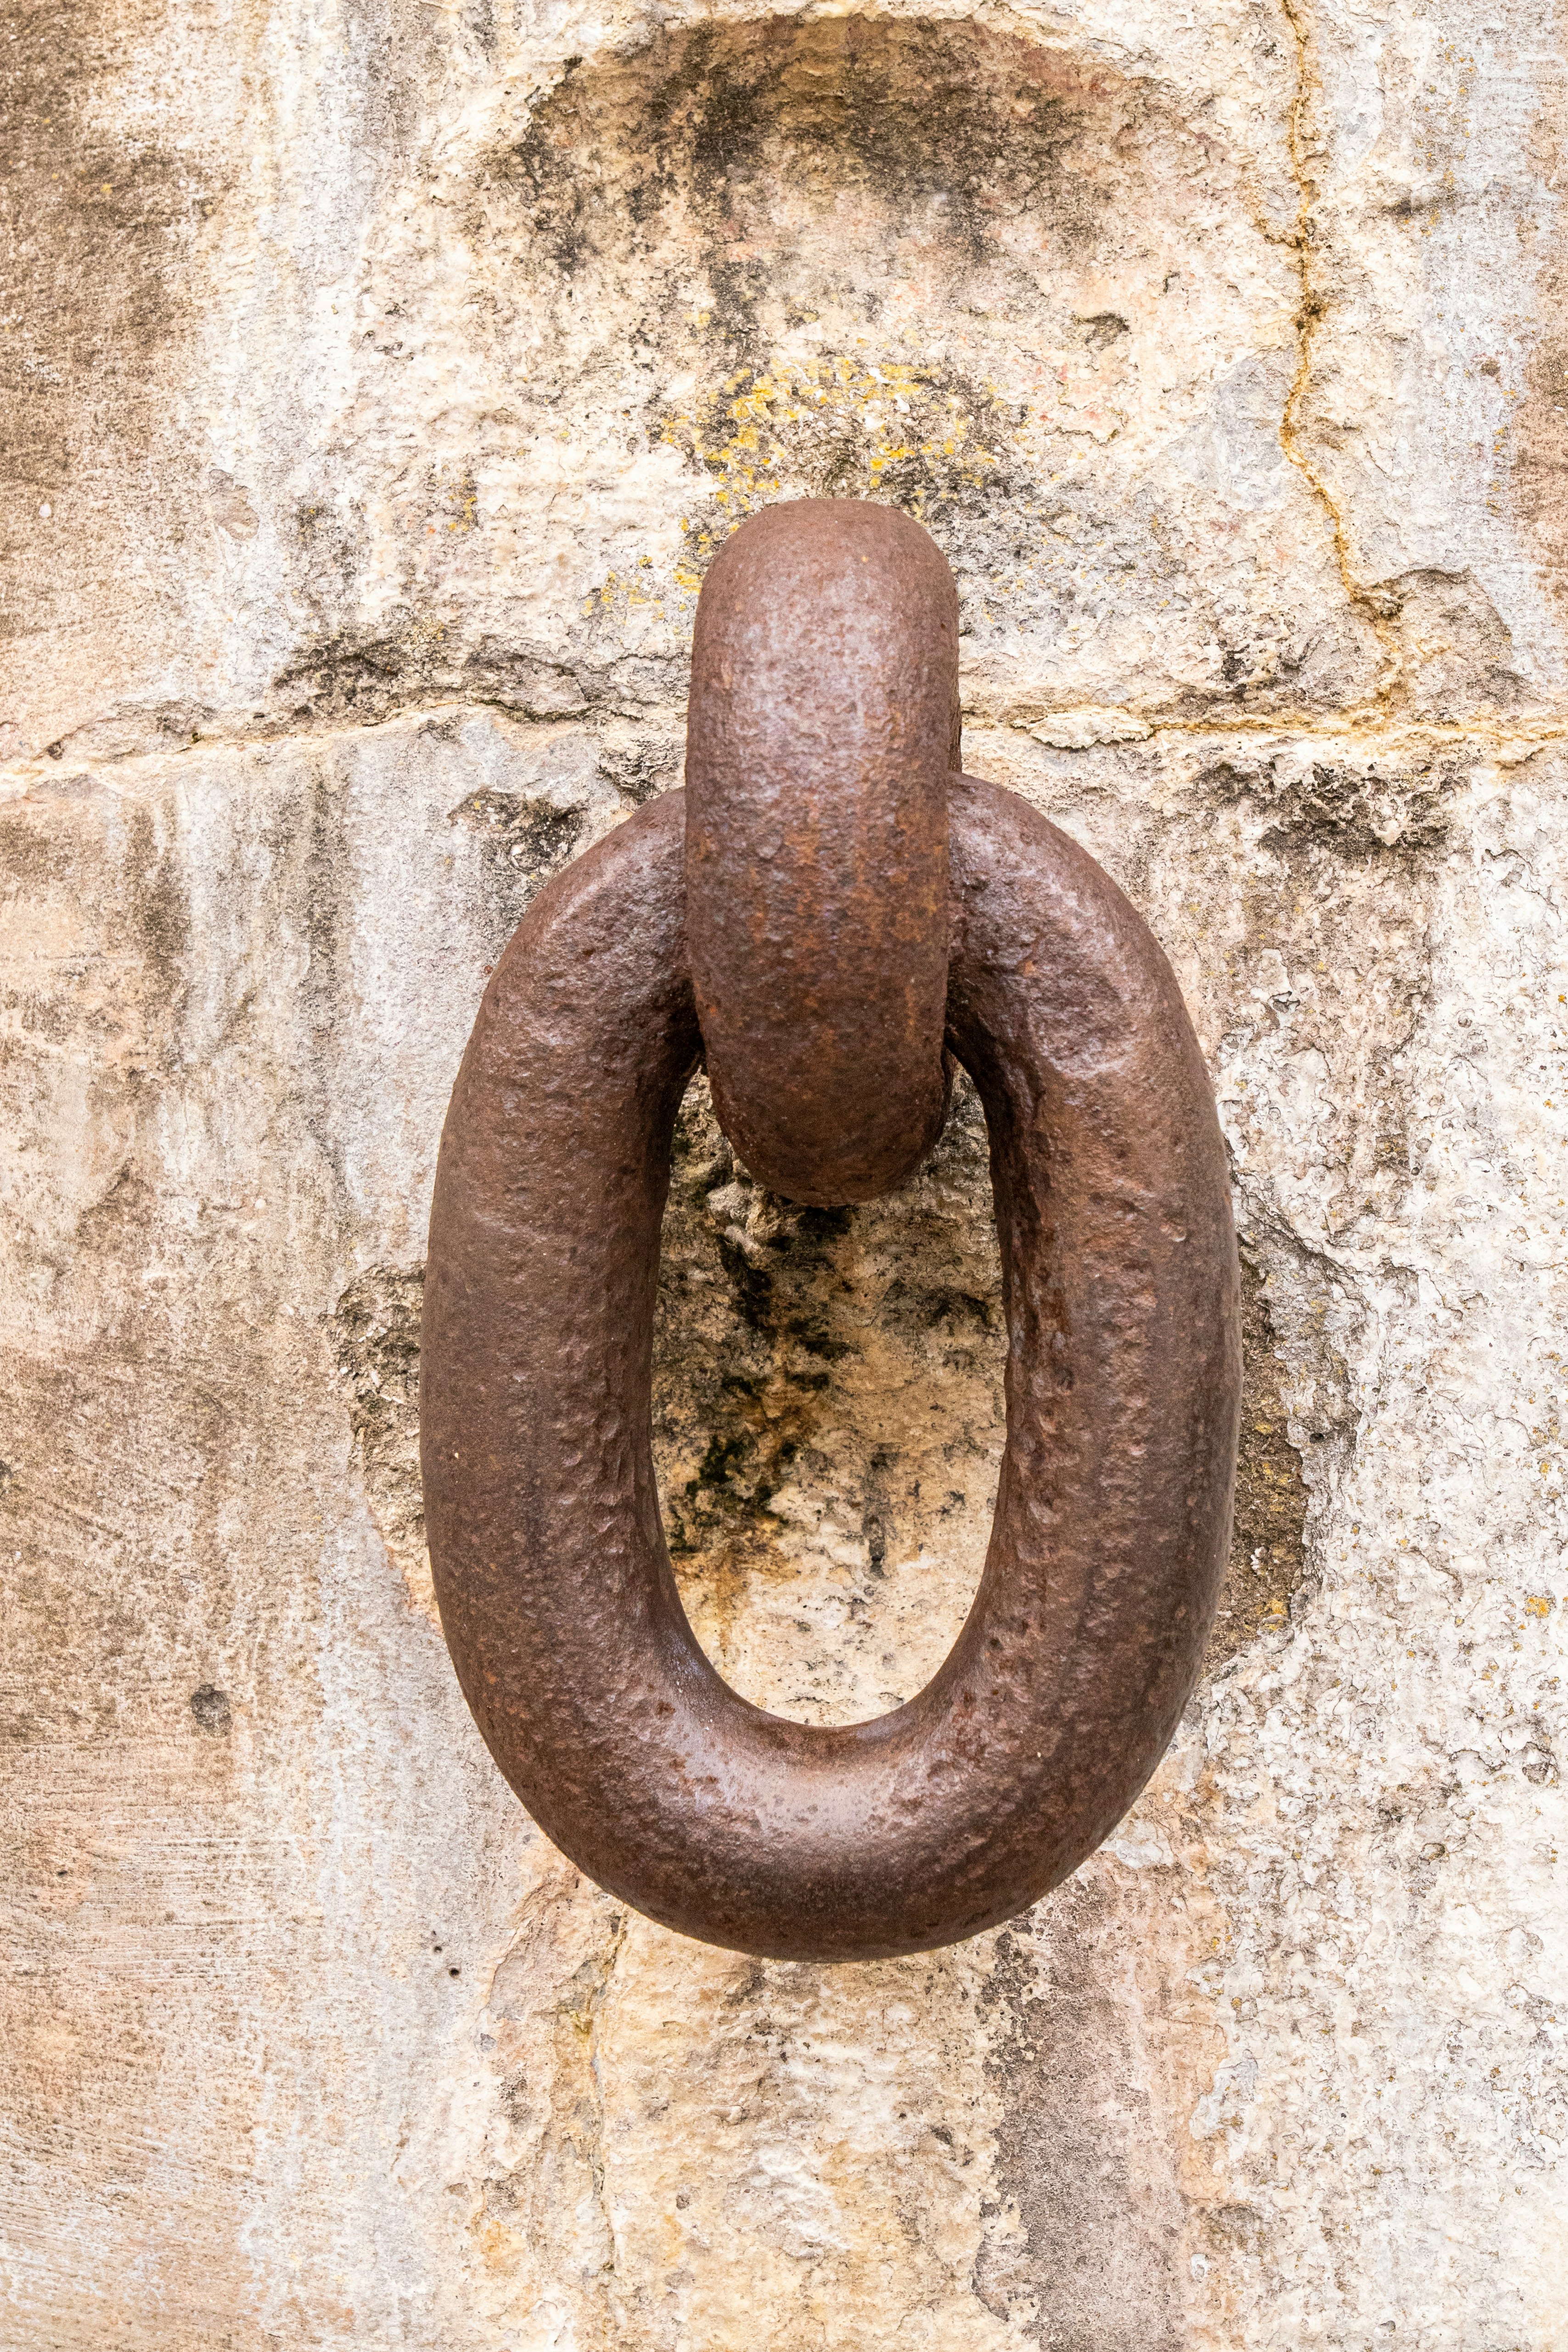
x=378 y=377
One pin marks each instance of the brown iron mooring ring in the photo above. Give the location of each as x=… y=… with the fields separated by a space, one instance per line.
x=957 y=1809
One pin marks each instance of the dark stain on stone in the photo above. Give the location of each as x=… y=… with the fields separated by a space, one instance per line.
x=349 y=676
x=332 y=543
x=1268 y=1544
x=160 y=909
x=925 y=118
x=100 y=226
x=1456 y=653
x=313 y=834
x=211 y=1708
x=345 y=675
x=761 y=1391
x=874 y=1511
x=1530 y=450
x=1106 y=326
x=116 y=1224
x=1091 y=2264
x=639 y=769
x=35 y=857
x=530 y=838
x=766 y=1312
x=1368 y=808
x=374 y=1334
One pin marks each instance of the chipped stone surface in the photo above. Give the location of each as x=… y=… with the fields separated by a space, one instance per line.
x=380 y=375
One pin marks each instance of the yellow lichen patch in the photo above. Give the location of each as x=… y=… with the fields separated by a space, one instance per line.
x=617 y=595
x=836 y=425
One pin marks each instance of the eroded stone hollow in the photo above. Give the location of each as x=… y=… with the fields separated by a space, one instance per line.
x=837 y=213
x=829 y=1419
x=993 y=282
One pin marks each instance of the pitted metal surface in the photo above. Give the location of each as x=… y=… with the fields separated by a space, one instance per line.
x=957 y=1809
x=821 y=730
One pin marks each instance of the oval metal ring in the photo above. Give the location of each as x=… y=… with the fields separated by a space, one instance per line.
x=957 y=1809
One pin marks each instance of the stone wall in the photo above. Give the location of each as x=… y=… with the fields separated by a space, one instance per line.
x=380 y=375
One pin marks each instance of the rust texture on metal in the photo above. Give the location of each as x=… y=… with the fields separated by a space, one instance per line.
x=821 y=730
x=957 y=1809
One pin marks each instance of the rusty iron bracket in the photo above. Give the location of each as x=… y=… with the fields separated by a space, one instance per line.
x=826 y=914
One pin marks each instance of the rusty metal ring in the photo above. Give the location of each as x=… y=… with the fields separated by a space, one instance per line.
x=822 y=731
x=959 y=1809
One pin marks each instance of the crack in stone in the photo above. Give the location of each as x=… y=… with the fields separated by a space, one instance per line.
x=595 y=2151
x=1308 y=318
x=1520 y=740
